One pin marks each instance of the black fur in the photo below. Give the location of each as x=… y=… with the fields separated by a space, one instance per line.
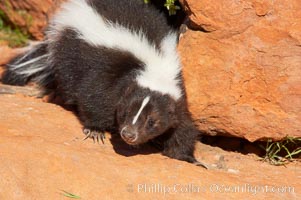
x=136 y=15
x=101 y=82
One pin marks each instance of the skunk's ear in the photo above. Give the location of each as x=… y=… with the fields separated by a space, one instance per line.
x=121 y=108
x=172 y=113
x=128 y=91
x=171 y=108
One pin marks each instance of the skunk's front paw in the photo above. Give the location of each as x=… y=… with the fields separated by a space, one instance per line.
x=184 y=157
x=201 y=164
x=95 y=135
x=192 y=160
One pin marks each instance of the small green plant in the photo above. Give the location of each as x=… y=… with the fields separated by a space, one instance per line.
x=12 y=35
x=26 y=16
x=170 y=5
x=282 y=152
x=3 y=18
x=70 y=195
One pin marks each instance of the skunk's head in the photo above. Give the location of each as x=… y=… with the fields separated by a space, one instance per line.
x=142 y=117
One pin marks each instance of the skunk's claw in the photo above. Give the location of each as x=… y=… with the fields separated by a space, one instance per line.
x=198 y=163
x=95 y=135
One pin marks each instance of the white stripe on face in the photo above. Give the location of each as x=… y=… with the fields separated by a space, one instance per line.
x=144 y=103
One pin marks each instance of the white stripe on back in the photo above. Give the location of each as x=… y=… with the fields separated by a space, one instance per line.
x=161 y=68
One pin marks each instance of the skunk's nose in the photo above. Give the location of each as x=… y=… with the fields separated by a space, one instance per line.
x=128 y=135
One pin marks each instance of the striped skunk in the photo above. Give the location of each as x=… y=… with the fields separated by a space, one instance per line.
x=116 y=60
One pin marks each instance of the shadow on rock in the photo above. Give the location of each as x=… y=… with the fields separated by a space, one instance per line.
x=122 y=148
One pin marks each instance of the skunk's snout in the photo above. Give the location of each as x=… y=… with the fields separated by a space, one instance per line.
x=129 y=135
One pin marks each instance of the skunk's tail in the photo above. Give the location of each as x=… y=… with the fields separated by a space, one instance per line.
x=33 y=66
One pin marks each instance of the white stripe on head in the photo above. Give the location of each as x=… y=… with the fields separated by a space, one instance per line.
x=161 y=68
x=144 y=103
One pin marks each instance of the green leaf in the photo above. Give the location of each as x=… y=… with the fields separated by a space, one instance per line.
x=295 y=152
x=288 y=152
x=70 y=195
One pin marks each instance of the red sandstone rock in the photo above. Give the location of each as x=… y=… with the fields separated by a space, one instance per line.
x=42 y=154
x=31 y=15
x=7 y=53
x=243 y=77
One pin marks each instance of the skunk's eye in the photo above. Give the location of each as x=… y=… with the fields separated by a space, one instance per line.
x=151 y=123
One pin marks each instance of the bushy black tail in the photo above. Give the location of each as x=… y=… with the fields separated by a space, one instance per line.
x=33 y=66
